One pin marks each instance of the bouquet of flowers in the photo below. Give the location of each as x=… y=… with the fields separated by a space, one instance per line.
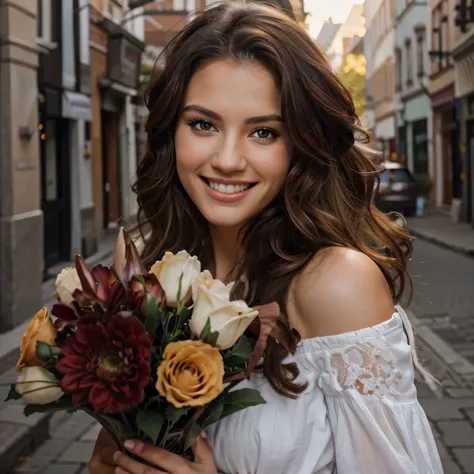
x=154 y=355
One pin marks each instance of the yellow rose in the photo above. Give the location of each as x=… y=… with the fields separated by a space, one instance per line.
x=173 y=268
x=191 y=374
x=38 y=386
x=41 y=329
x=212 y=302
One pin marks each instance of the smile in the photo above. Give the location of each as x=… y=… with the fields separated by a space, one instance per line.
x=229 y=192
x=228 y=188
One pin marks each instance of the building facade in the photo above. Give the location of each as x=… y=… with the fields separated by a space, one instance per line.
x=447 y=166
x=413 y=104
x=21 y=217
x=64 y=120
x=379 y=47
x=354 y=26
x=116 y=46
x=463 y=58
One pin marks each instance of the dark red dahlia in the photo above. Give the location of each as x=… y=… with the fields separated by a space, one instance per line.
x=107 y=361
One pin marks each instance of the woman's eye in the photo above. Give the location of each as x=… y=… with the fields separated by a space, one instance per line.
x=264 y=134
x=201 y=125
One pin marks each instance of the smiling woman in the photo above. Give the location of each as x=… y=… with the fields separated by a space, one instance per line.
x=233 y=150
x=254 y=163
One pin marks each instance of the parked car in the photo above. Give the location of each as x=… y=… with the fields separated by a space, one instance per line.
x=397 y=191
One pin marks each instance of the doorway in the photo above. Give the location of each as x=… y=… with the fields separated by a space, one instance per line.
x=55 y=191
x=110 y=169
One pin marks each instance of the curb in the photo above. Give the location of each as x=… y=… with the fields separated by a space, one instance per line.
x=441 y=242
x=458 y=366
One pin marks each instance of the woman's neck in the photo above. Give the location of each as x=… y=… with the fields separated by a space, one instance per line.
x=226 y=249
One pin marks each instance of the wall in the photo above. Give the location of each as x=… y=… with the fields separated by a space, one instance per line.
x=21 y=220
x=378 y=48
x=98 y=53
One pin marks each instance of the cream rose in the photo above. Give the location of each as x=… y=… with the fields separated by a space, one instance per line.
x=37 y=385
x=191 y=374
x=170 y=269
x=41 y=329
x=67 y=282
x=212 y=301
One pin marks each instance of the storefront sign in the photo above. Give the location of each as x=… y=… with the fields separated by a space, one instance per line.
x=124 y=61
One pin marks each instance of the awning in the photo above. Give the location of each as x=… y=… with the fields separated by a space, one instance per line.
x=76 y=106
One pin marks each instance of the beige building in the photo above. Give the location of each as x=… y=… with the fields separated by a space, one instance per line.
x=354 y=26
x=21 y=218
x=379 y=47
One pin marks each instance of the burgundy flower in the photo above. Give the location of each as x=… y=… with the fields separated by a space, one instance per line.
x=107 y=361
x=152 y=286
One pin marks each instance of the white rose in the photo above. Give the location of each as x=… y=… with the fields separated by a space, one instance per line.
x=212 y=301
x=170 y=269
x=66 y=283
x=38 y=386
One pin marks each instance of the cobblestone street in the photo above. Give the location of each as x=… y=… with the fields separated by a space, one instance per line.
x=442 y=312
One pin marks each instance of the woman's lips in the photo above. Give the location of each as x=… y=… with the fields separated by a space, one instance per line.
x=226 y=196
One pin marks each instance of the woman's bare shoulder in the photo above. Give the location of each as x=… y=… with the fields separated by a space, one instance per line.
x=340 y=290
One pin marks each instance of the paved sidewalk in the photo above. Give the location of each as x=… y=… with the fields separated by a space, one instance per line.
x=20 y=436
x=441 y=230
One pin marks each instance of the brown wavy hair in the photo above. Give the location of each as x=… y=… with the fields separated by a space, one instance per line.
x=327 y=198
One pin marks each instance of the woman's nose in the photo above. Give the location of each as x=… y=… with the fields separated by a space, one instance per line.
x=229 y=157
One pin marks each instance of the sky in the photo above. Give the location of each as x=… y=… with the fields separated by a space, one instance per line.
x=323 y=9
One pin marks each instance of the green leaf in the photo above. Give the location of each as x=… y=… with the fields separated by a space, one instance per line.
x=240 y=399
x=150 y=422
x=44 y=352
x=184 y=315
x=12 y=393
x=208 y=336
x=193 y=435
x=173 y=414
x=63 y=404
x=212 y=415
x=240 y=354
x=152 y=315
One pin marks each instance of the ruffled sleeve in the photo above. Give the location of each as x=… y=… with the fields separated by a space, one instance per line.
x=378 y=425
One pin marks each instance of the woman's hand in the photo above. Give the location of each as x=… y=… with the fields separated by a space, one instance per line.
x=166 y=462
x=102 y=461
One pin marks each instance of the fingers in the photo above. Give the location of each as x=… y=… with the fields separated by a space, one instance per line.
x=203 y=451
x=156 y=456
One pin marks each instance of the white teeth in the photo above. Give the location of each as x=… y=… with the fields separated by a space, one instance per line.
x=228 y=188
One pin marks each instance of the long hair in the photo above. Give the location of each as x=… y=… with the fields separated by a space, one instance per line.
x=327 y=198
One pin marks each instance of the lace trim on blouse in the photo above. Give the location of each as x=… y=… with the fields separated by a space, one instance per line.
x=367 y=369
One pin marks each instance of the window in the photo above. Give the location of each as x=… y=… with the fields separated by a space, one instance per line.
x=420 y=51
x=46 y=23
x=409 y=61
x=398 y=71
x=440 y=37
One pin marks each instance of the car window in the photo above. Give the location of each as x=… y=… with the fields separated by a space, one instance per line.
x=395 y=176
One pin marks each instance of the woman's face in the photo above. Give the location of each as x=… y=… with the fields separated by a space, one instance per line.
x=232 y=146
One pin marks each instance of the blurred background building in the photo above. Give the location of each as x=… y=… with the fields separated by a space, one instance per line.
x=72 y=79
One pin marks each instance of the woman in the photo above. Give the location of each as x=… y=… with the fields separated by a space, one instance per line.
x=254 y=165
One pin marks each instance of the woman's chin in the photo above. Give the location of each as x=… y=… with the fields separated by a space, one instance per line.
x=228 y=219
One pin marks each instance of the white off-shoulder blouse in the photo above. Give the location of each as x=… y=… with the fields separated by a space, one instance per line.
x=359 y=414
